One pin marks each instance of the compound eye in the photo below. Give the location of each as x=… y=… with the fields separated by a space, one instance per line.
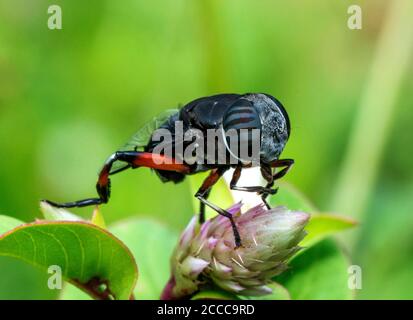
x=283 y=121
x=241 y=115
x=242 y=127
x=280 y=125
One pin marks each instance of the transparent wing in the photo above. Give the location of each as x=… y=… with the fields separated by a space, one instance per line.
x=141 y=138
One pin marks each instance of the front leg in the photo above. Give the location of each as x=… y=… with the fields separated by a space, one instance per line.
x=258 y=189
x=202 y=207
x=267 y=174
x=205 y=190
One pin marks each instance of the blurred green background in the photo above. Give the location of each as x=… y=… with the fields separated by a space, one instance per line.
x=70 y=97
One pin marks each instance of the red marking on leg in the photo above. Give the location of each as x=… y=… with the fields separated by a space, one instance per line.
x=104 y=176
x=160 y=162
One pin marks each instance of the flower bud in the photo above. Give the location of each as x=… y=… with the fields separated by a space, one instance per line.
x=207 y=254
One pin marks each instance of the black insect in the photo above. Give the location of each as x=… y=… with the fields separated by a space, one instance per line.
x=223 y=111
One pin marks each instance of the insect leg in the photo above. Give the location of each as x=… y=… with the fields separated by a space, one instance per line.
x=225 y=214
x=134 y=159
x=202 y=207
x=200 y=195
x=258 y=189
x=205 y=189
x=266 y=172
x=287 y=164
x=102 y=188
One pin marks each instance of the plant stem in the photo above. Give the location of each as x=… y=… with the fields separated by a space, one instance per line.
x=377 y=108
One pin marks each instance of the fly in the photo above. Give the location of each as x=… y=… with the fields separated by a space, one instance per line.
x=226 y=112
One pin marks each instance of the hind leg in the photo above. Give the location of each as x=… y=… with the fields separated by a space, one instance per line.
x=133 y=159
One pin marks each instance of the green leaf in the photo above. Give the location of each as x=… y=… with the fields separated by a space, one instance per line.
x=291 y=198
x=90 y=257
x=7 y=223
x=318 y=273
x=57 y=214
x=20 y=281
x=321 y=226
x=71 y=292
x=384 y=245
x=152 y=244
x=214 y=294
x=97 y=218
x=278 y=293
x=220 y=194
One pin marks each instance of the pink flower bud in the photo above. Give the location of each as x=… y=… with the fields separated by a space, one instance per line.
x=206 y=255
